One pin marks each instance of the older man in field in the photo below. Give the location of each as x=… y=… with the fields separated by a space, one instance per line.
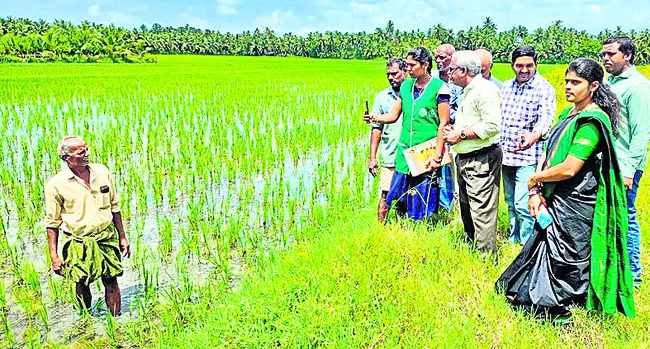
x=443 y=60
x=443 y=55
x=81 y=202
x=486 y=66
x=633 y=90
x=475 y=138
x=386 y=135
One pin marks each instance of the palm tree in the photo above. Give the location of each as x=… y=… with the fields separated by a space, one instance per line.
x=489 y=25
x=61 y=39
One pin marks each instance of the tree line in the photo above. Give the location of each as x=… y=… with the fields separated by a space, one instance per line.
x=25 y=40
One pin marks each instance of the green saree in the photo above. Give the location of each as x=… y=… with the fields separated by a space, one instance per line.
x=581 y=259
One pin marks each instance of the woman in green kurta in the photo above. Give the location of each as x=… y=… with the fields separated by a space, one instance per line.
x=581 y=258
x=424 y=104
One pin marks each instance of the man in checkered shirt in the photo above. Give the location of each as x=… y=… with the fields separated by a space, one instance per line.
x=528 y=109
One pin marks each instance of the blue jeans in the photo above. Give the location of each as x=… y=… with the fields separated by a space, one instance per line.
x=515 y=185
x=634 y=231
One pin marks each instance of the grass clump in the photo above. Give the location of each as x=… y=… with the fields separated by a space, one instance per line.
x=400 y=285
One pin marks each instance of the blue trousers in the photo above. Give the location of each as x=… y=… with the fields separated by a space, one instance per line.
x=634 y=231
x=515 y=191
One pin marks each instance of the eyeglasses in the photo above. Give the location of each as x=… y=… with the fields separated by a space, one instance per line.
x=453 y=69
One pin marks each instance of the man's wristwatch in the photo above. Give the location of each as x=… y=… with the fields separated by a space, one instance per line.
x=463 y=135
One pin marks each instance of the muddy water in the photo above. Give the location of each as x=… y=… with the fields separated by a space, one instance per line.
x=297 y=176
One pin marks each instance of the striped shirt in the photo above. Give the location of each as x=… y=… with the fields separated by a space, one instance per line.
x=528 y=107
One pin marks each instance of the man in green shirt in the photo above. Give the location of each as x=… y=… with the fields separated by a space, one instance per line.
x=385 y=136
x=633 y=91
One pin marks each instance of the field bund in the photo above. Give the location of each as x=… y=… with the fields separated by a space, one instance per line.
x=251 y=216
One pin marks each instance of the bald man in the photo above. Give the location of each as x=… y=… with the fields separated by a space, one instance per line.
x=443 y=60
x=486 y=66
x=443 y=55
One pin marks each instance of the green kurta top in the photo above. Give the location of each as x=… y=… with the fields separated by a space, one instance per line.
x=633 y=90
x=585 y=141
x=610 y=279
x=420 y=118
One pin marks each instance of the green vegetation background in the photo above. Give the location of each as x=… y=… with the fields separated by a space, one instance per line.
x=26 y=40
x=345 y=281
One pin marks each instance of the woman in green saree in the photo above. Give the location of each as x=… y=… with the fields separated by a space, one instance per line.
x=581 y=257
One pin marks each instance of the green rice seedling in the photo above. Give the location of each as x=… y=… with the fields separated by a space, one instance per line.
x=187 y=244
x=221 y=264
x=180 y=295
x=141 y=197
x=83 y=328
x=181 y=262
x=209 y=234
x=25 y=299
x=194 y=215
x=4 y=245
x=4 y=315
x=33 y=337
x=30 y=278
x=56 y=287
x=135 y=237
x=3 y=232
x=157 y=186
x=31 y=281
x=171 y=193
x=165 y=234
x=149 y=271
x=42 y=313
x=14 y=262
x=111 y=327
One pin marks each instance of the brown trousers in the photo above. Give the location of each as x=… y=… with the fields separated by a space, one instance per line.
x=479 y=177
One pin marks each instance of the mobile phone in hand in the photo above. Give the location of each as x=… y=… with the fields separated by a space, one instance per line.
x=367 y=109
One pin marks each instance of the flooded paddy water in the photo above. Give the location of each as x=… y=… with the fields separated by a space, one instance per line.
x=216 y=174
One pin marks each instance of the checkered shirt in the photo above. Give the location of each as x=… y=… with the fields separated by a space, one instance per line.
x=527 y=107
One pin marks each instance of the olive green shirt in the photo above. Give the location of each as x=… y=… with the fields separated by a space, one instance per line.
x=633 y=90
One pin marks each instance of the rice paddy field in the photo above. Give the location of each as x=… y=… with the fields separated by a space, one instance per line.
x=251 y=217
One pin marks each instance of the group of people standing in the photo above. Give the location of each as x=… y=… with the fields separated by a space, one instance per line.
x=570 y=188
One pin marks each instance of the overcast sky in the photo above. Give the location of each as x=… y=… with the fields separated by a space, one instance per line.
x=301 y=17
